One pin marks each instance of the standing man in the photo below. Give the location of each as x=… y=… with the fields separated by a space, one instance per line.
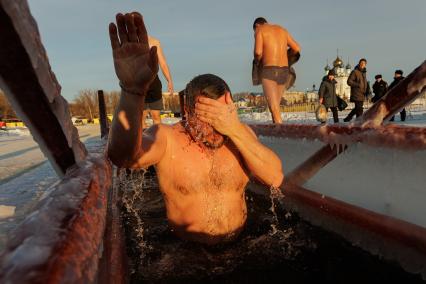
x=270 y=51
x=358 y=82
x=379 y=88
x=396 y=79
x=154 y=96
x=327 y=94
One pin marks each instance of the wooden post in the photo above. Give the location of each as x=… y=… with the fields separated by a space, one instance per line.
x=32 y=89
x=182 y=104
x=102 y=114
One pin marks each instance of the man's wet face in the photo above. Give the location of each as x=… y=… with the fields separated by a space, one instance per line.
x=203 y=132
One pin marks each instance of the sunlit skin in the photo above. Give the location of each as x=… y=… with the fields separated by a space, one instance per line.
x=155 y=114
x=203 y=166
x=271 y=44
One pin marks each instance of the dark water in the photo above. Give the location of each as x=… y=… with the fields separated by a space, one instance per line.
x=283 y=248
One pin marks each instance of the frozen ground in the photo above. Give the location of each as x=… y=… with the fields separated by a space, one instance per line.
x=414 y=118
x=25 y=173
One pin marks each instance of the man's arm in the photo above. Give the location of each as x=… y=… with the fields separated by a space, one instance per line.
x=321 y=92
x=352 y=80
x=136 y=66
x=164 y=67
x=375 y=87
x=292 y=43
x=262 y=162
x=258 y=45
x=128 y=146
x=368 y=90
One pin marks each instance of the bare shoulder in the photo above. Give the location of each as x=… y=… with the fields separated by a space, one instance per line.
x=177 y=128
x=158 y=131
x=281 y=29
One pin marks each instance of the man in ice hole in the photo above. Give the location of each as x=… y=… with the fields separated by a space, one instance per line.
x=204 y=163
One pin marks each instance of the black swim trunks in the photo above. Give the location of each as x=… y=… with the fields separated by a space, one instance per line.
x=154 y=96
x=276 y=73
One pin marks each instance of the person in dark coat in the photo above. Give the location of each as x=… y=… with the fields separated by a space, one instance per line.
x=380 y=88
x=359 y=88
x=327 y=94
x=398 y=77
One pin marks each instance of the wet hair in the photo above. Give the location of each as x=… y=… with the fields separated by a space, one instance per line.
x=363 y=59
x=206 y=85
x=259 y=21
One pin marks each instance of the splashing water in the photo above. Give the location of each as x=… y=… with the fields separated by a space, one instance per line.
x=169 y=257
x=276 y=195
x=131 y=184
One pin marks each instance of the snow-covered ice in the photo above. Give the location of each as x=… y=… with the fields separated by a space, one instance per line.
x=25 y=174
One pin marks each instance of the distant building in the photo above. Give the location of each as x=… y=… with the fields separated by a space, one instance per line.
x=293 y=97
x=342 y=74
x=242 y=102
x=256 y=99
x=311 y=96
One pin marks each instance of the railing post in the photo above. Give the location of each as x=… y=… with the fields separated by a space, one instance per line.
x=182 y=104
x=102 y=114
x=32 y=89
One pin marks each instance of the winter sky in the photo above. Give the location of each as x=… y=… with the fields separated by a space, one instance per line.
x=201 y=36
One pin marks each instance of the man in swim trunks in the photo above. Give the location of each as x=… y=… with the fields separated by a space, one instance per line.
x=270 y=49
x=216 y=154
x=154 y=96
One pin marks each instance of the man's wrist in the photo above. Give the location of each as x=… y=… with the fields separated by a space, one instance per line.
x=236 y=130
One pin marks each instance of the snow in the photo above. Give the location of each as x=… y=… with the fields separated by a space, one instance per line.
x=25 y=174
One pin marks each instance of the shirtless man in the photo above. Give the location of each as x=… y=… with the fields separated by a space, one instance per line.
x=270 y=49
x=203 y=165
x=154 y=96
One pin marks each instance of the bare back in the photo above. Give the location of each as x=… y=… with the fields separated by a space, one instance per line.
x=203 y=189
x=274 y=45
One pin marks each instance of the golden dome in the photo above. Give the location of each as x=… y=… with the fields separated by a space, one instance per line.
x=338 y=62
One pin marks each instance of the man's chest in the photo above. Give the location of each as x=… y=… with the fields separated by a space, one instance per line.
x=194 y=169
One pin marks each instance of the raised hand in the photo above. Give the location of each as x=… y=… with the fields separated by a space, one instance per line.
x=136 y=65
x=170 y=87
x=221 y=115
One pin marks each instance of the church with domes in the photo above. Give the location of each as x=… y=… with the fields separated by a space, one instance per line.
x=342 y=74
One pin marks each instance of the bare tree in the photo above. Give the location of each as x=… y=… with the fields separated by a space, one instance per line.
x=111 y=101
x=6 y=110
x=85 y=104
